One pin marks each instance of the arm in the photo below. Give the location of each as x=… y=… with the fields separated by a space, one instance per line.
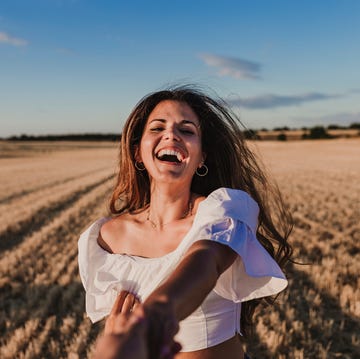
x=173 y=301
x=193 y=279
x=184 y=291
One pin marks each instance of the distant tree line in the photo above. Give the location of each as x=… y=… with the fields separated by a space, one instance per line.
x=316 y=132
x=70 y=137
x=353 y=126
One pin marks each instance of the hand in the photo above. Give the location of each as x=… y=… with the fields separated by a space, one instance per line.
x=125 y=304
x=125 y=331
x=162 y=326
x=127 y=334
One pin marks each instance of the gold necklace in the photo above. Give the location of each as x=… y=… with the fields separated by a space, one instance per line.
x=185 y=214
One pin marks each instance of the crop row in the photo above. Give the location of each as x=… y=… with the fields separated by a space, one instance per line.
x=24 y=175
x=40 y=286
x=35 y=210
x=318 y=315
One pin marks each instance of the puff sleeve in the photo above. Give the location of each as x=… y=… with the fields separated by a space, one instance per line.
x=95 y=273
x=229 y=217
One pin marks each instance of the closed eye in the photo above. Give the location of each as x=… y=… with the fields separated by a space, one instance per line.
x=156 y=129
x=187 y=131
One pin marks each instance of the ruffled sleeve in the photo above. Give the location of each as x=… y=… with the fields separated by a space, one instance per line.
x=95 y=273
x=229 y=217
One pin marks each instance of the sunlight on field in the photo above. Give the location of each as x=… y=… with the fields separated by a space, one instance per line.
x=318 y=316
x=51 y=191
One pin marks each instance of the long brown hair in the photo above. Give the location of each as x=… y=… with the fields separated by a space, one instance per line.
x=229 y=160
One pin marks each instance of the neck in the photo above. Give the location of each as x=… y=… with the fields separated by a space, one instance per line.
x=168 y=206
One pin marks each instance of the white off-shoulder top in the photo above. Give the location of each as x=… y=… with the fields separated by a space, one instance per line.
x=227 y=216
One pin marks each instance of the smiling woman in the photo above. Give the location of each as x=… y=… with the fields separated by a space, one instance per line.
x=190 y=195
x=170 y=147
x=171 y=128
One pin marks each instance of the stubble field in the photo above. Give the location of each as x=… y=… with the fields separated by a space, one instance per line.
x=50 y=192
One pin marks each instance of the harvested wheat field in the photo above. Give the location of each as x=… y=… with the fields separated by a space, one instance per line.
x=50 y=192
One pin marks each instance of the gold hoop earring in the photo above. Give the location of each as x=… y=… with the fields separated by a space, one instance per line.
x=139 y=166
x=204 y=171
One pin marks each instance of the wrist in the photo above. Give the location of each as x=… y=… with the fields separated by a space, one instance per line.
x=160 y=302
x=109 y=346
x=160 y=309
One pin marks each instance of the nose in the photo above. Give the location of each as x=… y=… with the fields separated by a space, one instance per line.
x=171 y=134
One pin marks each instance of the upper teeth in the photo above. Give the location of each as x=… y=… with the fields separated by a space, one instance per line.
x=171 y=153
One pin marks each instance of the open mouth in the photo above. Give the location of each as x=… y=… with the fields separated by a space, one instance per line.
x=170 y=156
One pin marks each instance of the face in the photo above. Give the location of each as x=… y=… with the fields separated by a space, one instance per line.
x=170 y=147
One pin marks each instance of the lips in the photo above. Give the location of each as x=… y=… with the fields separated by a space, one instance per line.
x=170 y=155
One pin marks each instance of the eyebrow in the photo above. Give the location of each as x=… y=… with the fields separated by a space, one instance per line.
x=186 y=122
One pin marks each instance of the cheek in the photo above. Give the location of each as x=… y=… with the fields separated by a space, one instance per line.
x=145 y=148
x=197 y=148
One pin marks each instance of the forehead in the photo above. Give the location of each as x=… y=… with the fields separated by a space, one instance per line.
x=173 y=111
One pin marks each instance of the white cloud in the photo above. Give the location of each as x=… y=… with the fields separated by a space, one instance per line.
x=233 y=67
x=272 y=101
x=10 y=40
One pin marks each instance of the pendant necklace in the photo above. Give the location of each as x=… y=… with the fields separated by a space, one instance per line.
x=187 y=213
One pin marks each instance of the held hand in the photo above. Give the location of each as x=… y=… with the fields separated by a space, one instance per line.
x=125 y=331
x=162 y=327
x=125 y=304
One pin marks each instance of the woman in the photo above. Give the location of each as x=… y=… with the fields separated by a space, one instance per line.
x=198 y=233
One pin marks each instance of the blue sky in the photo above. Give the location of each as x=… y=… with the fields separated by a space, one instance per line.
x=74 y=66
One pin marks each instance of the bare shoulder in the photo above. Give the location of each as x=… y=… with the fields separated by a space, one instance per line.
x=198 y=199
x=113 y=233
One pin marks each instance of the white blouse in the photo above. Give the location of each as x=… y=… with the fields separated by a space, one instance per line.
x=227 y=216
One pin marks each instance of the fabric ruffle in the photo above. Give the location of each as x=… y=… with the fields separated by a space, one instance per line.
x=254 y=274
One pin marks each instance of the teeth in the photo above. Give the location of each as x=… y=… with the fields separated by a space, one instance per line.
x=170 y=153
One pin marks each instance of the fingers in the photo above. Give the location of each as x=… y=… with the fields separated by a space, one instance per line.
x=125 y=302
x=154 y=326
x=118 y=319
x=137 y=304
x=128 y=302
x=118 y=304
x=127 y=339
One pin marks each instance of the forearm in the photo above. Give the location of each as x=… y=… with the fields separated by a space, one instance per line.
x=194 y=278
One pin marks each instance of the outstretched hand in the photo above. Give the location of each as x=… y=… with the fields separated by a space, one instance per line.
x=135 y=332
x=125 y=331
x=123 y=314
x=162 y=327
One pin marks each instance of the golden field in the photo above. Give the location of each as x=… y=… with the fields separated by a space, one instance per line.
x=51 y=191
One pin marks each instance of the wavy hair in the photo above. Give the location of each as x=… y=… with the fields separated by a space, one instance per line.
x=230 y=162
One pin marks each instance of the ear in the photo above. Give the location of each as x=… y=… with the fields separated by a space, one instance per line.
x=203 y=158
x=137 y=154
